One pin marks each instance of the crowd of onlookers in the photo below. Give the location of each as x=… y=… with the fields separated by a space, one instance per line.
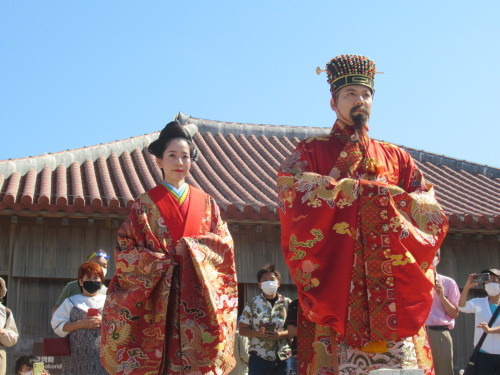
x=266 y=341
x=77 y=314
x=267 y=344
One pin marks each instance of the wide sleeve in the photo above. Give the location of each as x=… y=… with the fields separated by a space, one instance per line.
x=368 y=235
x=137 y=296
x=208 y=280
x=61 y=317
x=10 y=333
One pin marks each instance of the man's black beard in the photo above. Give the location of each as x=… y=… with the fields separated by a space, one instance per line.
x=360 y=120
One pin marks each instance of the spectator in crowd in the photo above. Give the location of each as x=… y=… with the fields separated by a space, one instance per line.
x=488 y=358
x=241 y=354
x=291 y=327
x=80 y=317
x=441 y=319
x=8 y=329
x=24 y=365
x=73 y=288
x=263 y=322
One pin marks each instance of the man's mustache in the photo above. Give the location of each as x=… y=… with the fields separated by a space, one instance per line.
x=359 y=107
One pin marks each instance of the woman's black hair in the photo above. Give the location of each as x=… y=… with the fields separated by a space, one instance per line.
x=173 y=130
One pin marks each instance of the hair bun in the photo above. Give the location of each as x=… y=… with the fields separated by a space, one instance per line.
x=175 y=130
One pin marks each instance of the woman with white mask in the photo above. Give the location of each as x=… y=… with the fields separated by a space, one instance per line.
x=488 y=359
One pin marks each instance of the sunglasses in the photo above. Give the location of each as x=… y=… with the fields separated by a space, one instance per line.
x=100 y=254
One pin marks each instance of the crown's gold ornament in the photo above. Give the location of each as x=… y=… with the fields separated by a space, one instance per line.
x=319 y=70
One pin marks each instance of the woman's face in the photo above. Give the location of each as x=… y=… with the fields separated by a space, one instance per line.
x=493 y=279
x=176 y=162
x=88 y=277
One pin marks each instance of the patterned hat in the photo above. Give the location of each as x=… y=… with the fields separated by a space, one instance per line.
x=347 y=70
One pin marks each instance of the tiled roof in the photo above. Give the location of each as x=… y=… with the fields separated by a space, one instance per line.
x=237 y=166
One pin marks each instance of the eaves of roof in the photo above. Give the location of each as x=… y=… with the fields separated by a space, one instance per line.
x=237 y=166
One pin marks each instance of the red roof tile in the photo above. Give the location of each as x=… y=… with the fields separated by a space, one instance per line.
x=237 y=166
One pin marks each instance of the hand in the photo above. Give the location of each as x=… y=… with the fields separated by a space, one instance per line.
x=470 y=282
x=439 y=289
x=484 y=326
x=180 y=248
x=92 y=322
x=263 y=334
x=272 y=335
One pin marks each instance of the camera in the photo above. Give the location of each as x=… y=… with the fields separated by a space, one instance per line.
x=481 y=278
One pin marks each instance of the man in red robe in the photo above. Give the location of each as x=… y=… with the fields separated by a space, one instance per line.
x=360 y=227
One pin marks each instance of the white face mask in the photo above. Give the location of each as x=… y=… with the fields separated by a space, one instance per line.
x=104 y=270
x=27 y=373
x=493 y=289
x=269 y=287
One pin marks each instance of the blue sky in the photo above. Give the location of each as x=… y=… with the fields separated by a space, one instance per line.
x=75 y=73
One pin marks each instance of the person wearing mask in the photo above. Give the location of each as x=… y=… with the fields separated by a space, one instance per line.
x=80 y=317
x=262 y=321
x=73 y=288
x=24 y=365
x=8 y=329
x=441 y=319
x=488 y=358
x=241 y=354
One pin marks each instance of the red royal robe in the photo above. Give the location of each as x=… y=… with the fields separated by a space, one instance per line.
x=166 y=314
x=359 y=245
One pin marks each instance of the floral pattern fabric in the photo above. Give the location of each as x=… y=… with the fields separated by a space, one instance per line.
x=84 y=344
x=259 y=313
x=359 y=218
x=165 y=314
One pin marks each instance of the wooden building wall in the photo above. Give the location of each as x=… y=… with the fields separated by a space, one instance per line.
x=39 y=256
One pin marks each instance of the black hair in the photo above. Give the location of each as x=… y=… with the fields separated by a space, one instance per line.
x=173 y=130
x=268 y=268
x=26 y=360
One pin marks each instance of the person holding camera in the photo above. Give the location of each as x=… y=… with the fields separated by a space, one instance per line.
x=441 y=319
x=262 y=321
x=488 y=358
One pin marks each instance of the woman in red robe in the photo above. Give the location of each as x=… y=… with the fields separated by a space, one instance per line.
x=171 y=306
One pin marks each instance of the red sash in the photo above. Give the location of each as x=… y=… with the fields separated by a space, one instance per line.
x=169 y=210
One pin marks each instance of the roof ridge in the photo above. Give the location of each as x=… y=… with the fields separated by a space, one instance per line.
x=80 y=155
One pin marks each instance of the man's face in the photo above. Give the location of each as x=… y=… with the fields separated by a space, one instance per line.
x=268 y=276
x=353 y=105
x=100 y=261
